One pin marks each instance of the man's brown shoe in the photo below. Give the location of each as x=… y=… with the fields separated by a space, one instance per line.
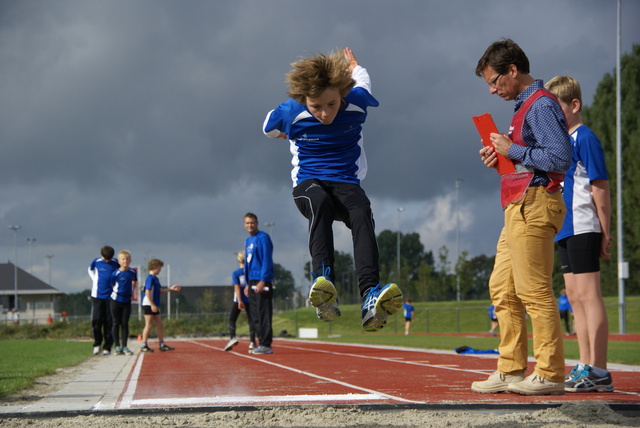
x=497 y=382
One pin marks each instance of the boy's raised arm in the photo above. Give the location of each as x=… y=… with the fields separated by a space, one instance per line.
x=351 y=58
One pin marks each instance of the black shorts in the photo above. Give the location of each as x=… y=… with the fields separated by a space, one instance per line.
x=147 y=310
x=580 y=253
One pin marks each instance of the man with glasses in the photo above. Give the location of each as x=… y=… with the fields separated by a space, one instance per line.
x=539 y=146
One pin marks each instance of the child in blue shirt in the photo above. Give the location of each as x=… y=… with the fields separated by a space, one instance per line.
x=240 y=302
x=151 y=305
x=584 y=239
x=123 y=283
x=100 y=271
x=323 y=121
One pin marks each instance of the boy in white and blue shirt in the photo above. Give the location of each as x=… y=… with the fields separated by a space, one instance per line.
x=584 y=239
x=100 y=271
x=323 y=121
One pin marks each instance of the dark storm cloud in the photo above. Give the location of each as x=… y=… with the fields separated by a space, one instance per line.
x=139 y=123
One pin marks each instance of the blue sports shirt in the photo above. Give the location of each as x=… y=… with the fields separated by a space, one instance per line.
x=238 y=278
x=588 y=164
x=152 y=283
x=100 y=272
x=331 y=152
x=408 y=310
x=564 y=304
x=258 y=262
x=122 y=284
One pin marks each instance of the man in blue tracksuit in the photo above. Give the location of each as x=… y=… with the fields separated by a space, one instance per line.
x=258 y=270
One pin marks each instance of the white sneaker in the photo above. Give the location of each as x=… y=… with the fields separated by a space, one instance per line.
x=106 y=352
x=232 y=342
x=96 y=350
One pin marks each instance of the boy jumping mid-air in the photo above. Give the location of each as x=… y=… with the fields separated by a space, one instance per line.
x=323 y=123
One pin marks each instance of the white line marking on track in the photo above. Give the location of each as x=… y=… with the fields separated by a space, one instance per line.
x=392 y=360
x=370 y=391
x=127 y=398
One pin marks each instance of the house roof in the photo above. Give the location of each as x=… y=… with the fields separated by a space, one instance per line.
x=27 y=283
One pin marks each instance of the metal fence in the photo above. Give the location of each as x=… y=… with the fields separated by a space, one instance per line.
x=467 y=319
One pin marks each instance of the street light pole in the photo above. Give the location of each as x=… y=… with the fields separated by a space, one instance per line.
x=50 y=256
x=458 y=181
x=400 y=209
x=270 y=225
x=15 y=265
x=30 y=241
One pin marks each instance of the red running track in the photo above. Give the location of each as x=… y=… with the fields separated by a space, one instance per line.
x=200 y=373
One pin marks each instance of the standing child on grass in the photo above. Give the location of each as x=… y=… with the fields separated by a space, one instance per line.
x=583 y=240
x=323 y=121
x=151 y=305
x=124 y=281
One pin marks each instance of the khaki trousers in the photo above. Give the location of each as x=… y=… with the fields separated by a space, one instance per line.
x=521 y=279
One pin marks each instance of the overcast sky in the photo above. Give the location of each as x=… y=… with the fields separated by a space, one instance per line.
x=137 y=124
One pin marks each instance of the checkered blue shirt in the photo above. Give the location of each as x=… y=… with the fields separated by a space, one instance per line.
x=548 y=145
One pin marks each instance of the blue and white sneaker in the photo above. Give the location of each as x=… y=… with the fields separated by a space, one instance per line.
x=587 y=381
x=574 y=371
x=262 y=350
x=323 y=297
x=379 y=303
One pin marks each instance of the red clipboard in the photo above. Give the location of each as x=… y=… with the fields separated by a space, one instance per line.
x=485 y=125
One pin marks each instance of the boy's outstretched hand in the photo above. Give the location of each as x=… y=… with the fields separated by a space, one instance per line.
x=351 y=59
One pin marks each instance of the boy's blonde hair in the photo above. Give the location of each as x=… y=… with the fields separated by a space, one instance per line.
x=565 y=88
x=240 y=257
x=311 y=76
x=124 y=253
x=154 y=264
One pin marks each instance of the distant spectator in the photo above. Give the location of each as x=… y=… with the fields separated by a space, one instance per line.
x=566 y=311
x=408 y=315
x=494 y=320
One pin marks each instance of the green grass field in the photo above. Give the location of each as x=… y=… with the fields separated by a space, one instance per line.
x=21 y=361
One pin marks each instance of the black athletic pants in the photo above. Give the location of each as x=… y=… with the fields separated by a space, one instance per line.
x=101 y=323
x=323 y=202
x=234 y=313
x=261 y=306
x=120 y=312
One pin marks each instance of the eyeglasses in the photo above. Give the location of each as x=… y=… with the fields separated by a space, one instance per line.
x=495 y=81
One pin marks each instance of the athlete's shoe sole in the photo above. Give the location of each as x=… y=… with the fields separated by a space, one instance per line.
x=323 y=297
x=379 y=303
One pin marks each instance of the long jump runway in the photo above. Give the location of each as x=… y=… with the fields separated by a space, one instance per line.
x=200 y=373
